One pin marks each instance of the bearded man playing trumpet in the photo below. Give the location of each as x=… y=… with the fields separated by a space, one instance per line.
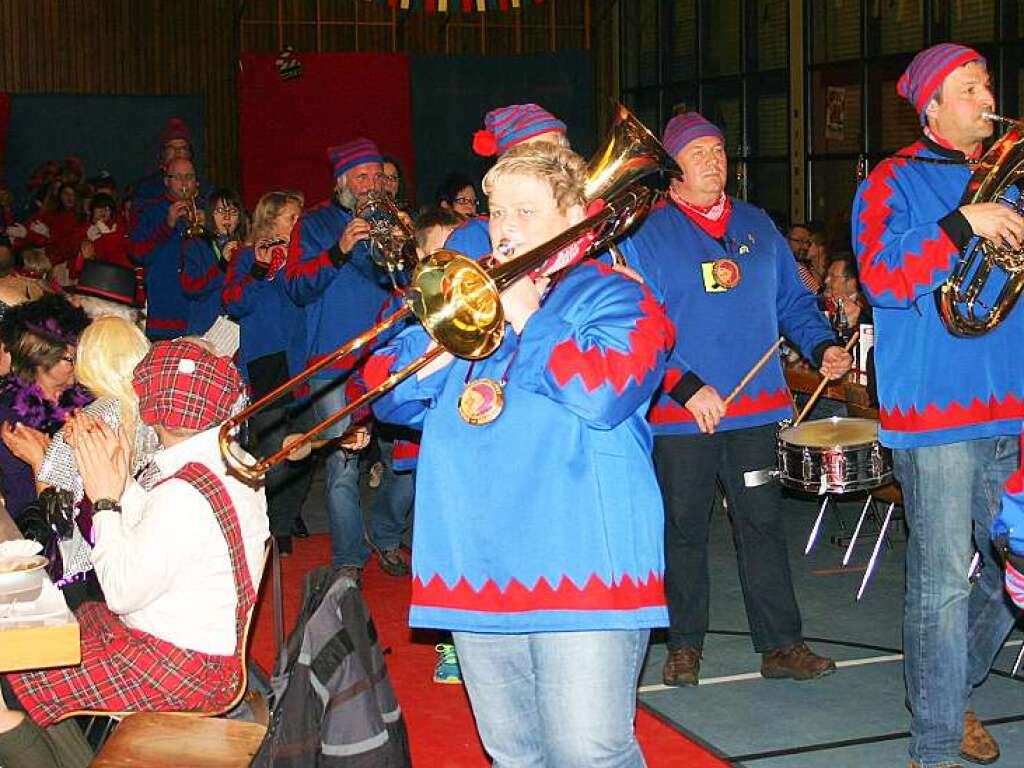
x=950 y=407
x=547 y=565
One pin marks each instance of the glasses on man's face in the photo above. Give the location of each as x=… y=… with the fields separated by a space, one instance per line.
x=182 y=176
x=466 y=201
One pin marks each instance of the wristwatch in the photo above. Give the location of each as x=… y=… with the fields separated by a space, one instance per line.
x=102 y=505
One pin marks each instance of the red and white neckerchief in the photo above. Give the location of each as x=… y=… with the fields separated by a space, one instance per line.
x=976 y=154
x=713 y=219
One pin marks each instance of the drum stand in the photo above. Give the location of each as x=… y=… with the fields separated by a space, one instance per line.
x=883 y=536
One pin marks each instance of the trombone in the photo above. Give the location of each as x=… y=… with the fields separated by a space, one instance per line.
x=458 y=300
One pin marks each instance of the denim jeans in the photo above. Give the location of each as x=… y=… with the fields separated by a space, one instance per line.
x=392 y=500
x=951 y=630
x=687 y=467
x=558 y=699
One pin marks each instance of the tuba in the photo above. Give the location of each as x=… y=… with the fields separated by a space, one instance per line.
x=998 y=178
x=458 y=300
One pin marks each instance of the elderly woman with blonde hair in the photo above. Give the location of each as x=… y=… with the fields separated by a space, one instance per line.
x=108 y=352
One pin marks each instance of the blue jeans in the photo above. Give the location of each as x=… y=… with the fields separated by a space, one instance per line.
x=392 y=503
x=951 y=630
x=564 y=699
x=392 y=500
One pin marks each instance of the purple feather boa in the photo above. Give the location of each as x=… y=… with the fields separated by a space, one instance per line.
x=35 y=410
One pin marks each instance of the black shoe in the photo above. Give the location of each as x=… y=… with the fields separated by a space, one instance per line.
x=299 y=529
x=284 y=545
x=392 y=562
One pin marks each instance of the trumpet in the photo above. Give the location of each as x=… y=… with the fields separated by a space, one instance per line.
x=194 y=227
x=996 y=179
x=458 y=300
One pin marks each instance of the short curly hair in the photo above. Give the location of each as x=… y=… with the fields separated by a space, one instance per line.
x=563 y=170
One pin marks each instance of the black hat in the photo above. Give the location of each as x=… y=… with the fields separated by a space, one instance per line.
x=107 y=281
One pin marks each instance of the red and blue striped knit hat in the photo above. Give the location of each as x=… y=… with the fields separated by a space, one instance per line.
x=684 y=128
x=929 y=69
x=507 y=126
x=346 y=156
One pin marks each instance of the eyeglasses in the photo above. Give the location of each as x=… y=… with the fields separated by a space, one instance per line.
x=225 y=210
x=182 y=176
x=466 y=201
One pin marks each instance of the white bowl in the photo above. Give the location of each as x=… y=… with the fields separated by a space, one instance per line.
x=21 y=577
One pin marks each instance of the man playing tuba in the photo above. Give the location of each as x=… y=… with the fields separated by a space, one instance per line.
x=950 y=408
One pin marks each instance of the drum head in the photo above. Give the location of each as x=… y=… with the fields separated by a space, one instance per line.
x=834 y=432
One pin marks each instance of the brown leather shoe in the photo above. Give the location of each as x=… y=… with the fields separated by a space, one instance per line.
x=977 y=745
x=795 y=662
x=682 y=667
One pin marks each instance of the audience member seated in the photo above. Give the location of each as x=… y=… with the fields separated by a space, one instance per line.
x=40 y=392
x=179 y=564
x=799 y=238
x=14 y=288
x=106 y=239
x=59 y=226
x=842 y=292
x=105 y=289
x=108 y=352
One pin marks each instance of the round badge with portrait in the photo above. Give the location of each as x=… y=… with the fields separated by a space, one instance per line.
x=482 y=401
x=726 y=273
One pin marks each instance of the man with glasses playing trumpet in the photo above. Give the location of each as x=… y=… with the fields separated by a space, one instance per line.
x=157 y=241
x=950 y=407
x=547 y=564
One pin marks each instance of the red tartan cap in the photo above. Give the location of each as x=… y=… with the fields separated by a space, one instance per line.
x=182 y=385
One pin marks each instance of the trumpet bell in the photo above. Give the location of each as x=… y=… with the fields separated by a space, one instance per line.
x=458 y=304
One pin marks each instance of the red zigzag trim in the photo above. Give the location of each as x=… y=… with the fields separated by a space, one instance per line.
x=596 y=595
x=954 y=415
x=672 y=412
x=915 y=269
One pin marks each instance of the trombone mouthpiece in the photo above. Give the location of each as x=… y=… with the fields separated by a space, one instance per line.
x=1000 y=119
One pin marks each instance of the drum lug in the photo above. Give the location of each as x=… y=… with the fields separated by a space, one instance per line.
x=877 y=462
x=808 y=464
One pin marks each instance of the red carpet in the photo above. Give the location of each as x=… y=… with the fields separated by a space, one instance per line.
x=439 y=719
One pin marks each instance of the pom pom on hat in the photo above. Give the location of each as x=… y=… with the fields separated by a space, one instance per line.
x=515 y=123
x=485 y=143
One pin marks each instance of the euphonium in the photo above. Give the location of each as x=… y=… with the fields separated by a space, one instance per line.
x=998 y=178
x=458 y=300
x=391 y=241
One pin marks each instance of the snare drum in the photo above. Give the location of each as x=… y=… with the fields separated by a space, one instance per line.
x=836 y=455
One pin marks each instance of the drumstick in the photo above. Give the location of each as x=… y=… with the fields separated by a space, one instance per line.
x=753 y=371
x=824 y=382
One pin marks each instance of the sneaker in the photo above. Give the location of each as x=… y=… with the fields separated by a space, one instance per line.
x=376 y=474
x=447 y=671
x=682 y=667
x=795 y=662
x=392 y=562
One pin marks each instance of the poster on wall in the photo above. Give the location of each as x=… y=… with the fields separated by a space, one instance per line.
x=835 y=113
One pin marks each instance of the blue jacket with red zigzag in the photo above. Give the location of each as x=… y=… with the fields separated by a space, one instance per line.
x=158 y=248
x=471 y=238
x=202 y=281
x=548 y=518
x=340 y=294
x=933 y=387
x=722 y=333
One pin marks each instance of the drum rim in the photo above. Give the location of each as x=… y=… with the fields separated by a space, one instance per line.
x=830 y=446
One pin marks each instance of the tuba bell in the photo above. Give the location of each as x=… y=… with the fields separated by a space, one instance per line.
x=998 y=178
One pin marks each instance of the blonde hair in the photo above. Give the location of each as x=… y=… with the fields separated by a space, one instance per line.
x=269 y=207
x=561 y=168
x=108 y=352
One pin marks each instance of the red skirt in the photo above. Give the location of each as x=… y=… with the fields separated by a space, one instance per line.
x=127 y=670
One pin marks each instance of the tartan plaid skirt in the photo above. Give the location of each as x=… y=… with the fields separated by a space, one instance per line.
x=127 y=670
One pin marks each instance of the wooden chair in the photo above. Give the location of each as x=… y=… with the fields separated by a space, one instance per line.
x=195 y=739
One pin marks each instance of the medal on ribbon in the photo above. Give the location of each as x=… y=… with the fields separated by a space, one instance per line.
x=481 y=401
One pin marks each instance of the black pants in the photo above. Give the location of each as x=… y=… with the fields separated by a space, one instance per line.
x=688 y=466
x=288 y=482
